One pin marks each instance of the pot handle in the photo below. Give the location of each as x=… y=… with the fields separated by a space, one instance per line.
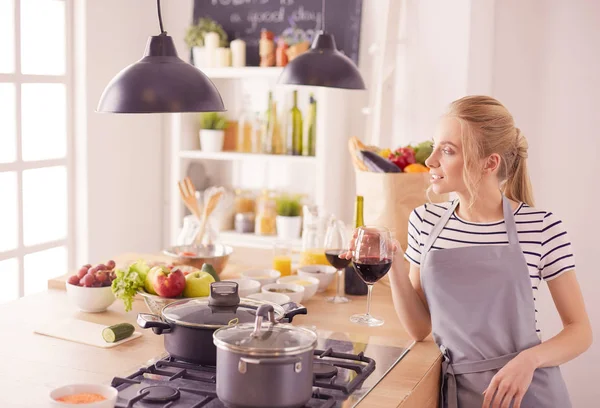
x=295 y=361
x=147 y=321
x=271 y=361
x=292 y=309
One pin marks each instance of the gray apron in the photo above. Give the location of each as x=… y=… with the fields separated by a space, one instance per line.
x=483 y=315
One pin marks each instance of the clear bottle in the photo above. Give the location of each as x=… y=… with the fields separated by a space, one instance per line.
x=244 y=130
x=294 y=128
x=308 y=147
x=267 y=133
x=313 y=236
x=257 y=133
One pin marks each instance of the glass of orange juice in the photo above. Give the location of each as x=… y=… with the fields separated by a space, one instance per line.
x=282 y=258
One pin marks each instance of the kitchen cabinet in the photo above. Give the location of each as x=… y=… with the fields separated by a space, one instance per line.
x=327 y=179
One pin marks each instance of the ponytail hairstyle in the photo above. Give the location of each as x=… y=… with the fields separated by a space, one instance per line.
x=487 y=127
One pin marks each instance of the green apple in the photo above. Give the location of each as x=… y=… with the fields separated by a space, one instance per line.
x=149 y=278
x=197 y=284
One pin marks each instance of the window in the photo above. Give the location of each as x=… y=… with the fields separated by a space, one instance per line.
x=35 y=144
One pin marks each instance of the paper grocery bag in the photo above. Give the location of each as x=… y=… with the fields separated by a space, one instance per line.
x=389 y=198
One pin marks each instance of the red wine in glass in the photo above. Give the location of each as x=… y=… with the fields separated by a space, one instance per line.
x=333 y=258
x=372 y=269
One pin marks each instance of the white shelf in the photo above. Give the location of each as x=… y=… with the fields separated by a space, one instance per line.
x=253 y=241
x=244 y=72
x=232 y=156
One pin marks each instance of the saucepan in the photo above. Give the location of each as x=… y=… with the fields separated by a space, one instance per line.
x=267 y=365
x=188 y=324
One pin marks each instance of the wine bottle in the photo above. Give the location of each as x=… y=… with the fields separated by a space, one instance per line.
x=353 y=284
x=294 y=129
x=308 y=147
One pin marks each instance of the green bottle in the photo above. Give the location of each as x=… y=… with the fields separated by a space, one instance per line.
x=308 y=148
x=294 y=129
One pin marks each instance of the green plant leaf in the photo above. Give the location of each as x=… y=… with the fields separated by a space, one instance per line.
x=288 y=206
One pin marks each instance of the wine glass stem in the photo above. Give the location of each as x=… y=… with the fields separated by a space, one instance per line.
x=369 y=299
x=339 y=282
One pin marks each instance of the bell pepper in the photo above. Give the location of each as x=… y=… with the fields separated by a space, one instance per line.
x=402 y=157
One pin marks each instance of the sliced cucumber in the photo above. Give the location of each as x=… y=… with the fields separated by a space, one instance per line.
x=117 y=332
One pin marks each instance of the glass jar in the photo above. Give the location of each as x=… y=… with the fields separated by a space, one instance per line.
x=245 y=202
x=266 y=214
x=313 y=236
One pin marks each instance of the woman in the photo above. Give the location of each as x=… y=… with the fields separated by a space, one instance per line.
x=476 y=264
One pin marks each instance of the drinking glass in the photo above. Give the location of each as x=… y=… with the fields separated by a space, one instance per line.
x=336 y=243
x=372 y=259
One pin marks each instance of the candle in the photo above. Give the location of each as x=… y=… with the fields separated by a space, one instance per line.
x=238 y=53
x=222 y=58
x=211 y=43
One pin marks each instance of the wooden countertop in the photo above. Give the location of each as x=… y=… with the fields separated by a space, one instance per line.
x=34 y=364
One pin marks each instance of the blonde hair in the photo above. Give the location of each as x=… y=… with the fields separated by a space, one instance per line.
x=487 y=127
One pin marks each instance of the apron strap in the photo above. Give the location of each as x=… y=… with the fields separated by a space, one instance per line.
x=439 y=226
x=450 y=371
x=509 y=221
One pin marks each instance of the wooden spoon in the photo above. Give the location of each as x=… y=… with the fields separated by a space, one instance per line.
x=187 y=190
x=209 y=207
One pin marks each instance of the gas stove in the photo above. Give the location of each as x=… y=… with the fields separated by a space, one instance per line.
x=341 y=379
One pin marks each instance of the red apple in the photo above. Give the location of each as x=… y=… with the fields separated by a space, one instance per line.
x=168 y=283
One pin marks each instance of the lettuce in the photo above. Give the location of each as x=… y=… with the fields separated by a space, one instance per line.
x=129 y=281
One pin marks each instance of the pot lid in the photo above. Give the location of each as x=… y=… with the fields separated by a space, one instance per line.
x=269 y=339
x=222 y=308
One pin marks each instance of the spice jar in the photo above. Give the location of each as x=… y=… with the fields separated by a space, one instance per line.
x=281 y=58
x=244 y=223
x=266 y=48
x=266 y=214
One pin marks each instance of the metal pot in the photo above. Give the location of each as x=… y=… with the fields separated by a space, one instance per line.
x=189 y=324
x=264 y=364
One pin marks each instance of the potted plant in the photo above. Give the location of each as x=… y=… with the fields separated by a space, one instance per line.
x=194 y=38
x=212 y=132
x=288 y=221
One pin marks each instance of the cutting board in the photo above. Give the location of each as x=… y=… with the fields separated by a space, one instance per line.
x=80 y=331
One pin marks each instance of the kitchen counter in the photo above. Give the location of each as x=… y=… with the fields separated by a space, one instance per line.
x=33 y=364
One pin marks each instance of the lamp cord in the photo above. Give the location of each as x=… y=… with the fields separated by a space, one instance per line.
x=323 y=16
x=162 y=31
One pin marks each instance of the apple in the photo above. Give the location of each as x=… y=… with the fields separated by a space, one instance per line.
x=197 y=284
x=168 y=283
x=149 y=282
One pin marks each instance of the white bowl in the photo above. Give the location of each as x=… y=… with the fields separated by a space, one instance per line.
x=278 y=298
x=296 y=295
x=106 y=391
x=91 y=300
x=264 y=276
x=310 y=284
x=246 y=286
x=324 y=273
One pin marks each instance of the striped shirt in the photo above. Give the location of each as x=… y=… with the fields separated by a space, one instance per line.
x=542 y=236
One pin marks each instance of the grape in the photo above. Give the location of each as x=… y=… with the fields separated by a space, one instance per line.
x=101 y=267
x=88 y=280
x=106 y=283
x=73 y=280
x=111 y=264
x=101 y=276
x=93 y=270
x=87 y=266
x=97 y=284
x=82 y=272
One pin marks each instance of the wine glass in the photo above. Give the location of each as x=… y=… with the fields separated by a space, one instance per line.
x=372 y=259
x=336 y=243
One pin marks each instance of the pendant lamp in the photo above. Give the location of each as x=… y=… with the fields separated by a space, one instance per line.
x=160 y=82
x=322 y=65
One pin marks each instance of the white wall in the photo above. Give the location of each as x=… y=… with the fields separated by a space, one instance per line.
x=540 y=58
x=549 y=78
x=119 y=193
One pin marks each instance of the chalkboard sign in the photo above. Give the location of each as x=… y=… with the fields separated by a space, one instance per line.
x=246 y=18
